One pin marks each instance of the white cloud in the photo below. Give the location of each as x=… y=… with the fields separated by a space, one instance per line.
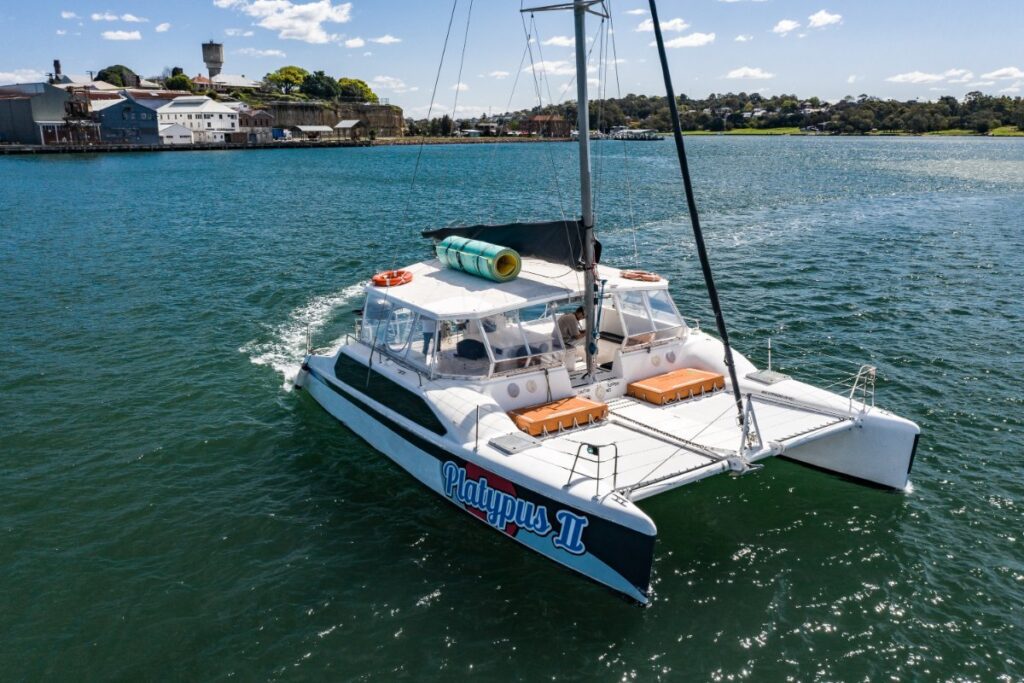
x=558 y=67
x=1007 y=73
x=132 y=19
x=253 y=52
x=959 y=75
x=461 y=87
x=980 y=83
x=163 y=28
x=69 y=15
x=560 y=41
x=785 y=26
x=1014 y=88
x=499 y=74
x=121 y=35
x=676 y=25
x=755 y=73
x=692 y=40
x=367 y=54
x=636 y=12
x=822 y=18
x=294 y=21
x=61 y=32
x=105 y=16
x=396 y=85
x=743 y=38
x=386 y=39
x=21 y=76
x=238 y=32
x=915 y=77
x=852 y=78
x=355 y=42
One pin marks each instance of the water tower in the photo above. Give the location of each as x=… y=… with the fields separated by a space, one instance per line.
x=213 y=56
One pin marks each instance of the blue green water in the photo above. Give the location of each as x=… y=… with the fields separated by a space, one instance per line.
x=169 y=508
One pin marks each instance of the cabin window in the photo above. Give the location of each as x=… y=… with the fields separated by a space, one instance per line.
x=399 y=332
x=523 y=338
x=636 y=318
x=667 y=321
x=462 y=348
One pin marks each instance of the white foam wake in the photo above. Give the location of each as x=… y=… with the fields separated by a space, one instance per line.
x=286 y=348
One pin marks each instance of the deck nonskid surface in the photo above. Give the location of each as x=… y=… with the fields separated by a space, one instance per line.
x=652 y=441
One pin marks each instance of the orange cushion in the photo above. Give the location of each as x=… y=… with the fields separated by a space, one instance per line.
x=675 y=385
x=563 y=414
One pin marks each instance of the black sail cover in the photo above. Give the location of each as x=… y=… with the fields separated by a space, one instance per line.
x=555 y=241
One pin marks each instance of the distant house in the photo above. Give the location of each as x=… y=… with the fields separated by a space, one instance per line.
x=201 y=82
x=129 y=122
x=353 y=129
x=489 y=128
x=209 y=121
x=257 y=124
x=175 y=134
x=311 y=132
x=227 y=83
x=548 y=126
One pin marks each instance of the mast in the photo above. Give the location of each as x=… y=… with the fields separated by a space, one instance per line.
x=698 y=234
x=586 y=197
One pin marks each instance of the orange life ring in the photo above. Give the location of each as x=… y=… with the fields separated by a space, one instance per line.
x=392 y=278
x=641 y=275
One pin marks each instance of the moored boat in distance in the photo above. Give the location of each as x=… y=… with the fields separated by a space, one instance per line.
x=626 y=133
x=471 y=371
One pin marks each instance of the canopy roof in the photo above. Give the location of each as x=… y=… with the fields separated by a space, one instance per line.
x=446 y=293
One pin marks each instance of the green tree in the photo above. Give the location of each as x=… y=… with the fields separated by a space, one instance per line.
x=118 y=75
x=356 y=90
x=321 y=86
x=179 y=82
x=287 y=78
x=446 y=125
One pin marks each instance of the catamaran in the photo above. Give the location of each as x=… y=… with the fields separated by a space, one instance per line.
x=472 y=371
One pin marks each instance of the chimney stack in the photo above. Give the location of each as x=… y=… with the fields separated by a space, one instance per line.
x=56 y=70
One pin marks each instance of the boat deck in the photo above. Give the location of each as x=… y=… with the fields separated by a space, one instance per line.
x=643 y=449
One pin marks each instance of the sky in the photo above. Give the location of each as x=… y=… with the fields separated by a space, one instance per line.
x=903 y=49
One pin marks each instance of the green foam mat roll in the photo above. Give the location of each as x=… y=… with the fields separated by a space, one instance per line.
x=483 y=259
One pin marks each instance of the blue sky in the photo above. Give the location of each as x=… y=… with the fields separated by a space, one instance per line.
x=830 y=48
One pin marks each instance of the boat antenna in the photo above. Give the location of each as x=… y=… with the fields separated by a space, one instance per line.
x=691 y=203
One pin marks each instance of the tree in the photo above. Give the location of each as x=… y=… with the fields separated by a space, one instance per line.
x=287 y=78
x=356 y=90
x=321 y=86
x=445 y=127
x=118 y=75
x=179 y=82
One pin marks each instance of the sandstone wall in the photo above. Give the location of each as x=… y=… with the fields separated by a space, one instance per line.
x=385 y=120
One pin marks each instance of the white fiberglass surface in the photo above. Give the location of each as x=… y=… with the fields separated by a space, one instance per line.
x=711 y=421
x=640 y=457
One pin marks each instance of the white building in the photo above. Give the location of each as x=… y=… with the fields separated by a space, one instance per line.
x=175 y=134
x=228 y=82
x=209 y=121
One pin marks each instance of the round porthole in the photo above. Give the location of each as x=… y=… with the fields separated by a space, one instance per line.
x=513 y=389
x=531 y=386
x=655 y=361
x=670 y=356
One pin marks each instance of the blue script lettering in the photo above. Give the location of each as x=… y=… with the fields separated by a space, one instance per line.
x=499 y=507
x=570 y=536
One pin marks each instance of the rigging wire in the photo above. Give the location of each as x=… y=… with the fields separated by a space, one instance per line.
x=625 y=147
x=508 y=108
x=430 y=109
x=462 y=61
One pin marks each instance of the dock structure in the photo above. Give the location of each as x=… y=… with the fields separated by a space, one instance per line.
x=198 y=147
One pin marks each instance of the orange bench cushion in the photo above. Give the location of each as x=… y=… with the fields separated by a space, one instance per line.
x=562 y=414
x=675 y=385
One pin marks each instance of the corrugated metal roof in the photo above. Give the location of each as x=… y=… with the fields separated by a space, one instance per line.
x=348 y=123
x=314 y=129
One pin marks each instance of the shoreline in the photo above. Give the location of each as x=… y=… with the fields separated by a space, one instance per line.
x=12 y=150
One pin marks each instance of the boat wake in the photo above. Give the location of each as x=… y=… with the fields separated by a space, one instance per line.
x=285 y=350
